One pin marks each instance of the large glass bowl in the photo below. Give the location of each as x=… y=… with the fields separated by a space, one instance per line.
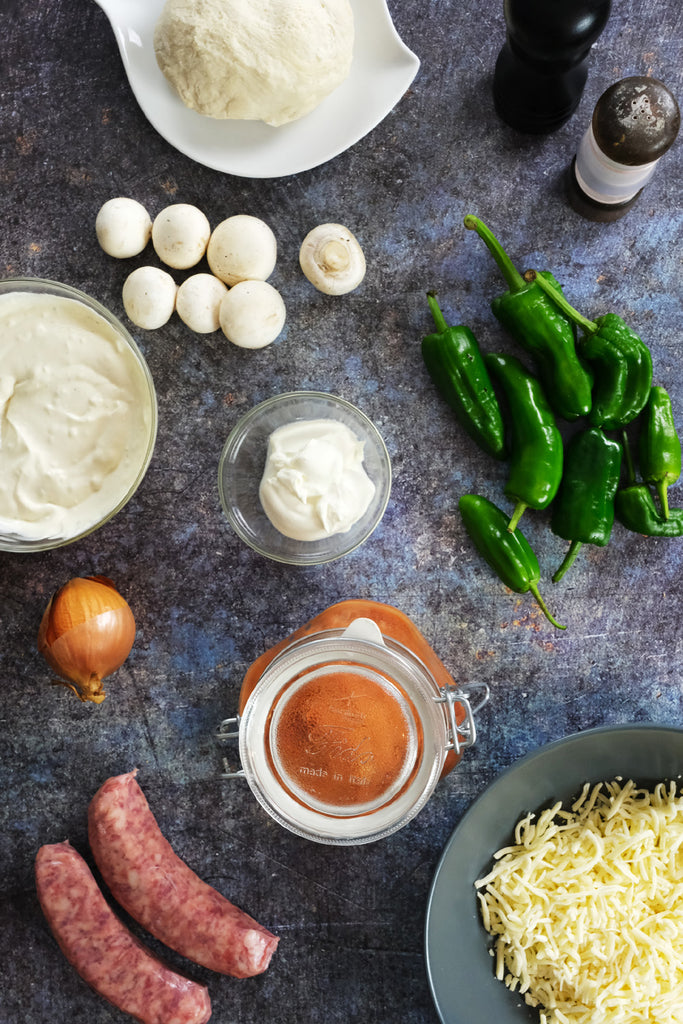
x=243 y=460
x=15 y=541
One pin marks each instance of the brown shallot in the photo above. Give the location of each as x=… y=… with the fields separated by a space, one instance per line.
x=86 y=633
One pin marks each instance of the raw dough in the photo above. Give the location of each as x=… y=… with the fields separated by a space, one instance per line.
x=271 y=60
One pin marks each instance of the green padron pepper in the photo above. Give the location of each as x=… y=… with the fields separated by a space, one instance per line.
x=659 y=446
x=636 y=510
x=456 y=366
x=583 y=511
x=620 y=360
x=546 y=334
x=535 y=442
x=509 y=554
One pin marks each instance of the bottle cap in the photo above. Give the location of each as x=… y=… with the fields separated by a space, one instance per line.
x=636 y=120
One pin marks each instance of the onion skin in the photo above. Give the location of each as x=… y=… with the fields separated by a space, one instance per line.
x=86 y=633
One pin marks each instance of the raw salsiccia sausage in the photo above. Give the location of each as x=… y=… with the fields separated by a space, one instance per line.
x=162 y=893
x=104 y=952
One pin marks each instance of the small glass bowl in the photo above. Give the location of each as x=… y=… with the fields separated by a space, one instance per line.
x=35 y=285
x=243 y=461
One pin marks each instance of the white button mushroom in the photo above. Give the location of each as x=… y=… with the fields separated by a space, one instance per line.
x=180 y=235
x=198 y=302
x=242 y=248
x=123 y=227
x=332 y=259
x=252 y=314
x=149 y=295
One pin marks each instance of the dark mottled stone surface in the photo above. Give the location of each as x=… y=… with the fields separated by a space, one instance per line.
x=351 y=920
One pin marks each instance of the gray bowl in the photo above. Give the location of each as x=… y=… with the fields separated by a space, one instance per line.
x=459 y=967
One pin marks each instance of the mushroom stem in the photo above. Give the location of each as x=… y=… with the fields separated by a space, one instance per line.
x=332 y=259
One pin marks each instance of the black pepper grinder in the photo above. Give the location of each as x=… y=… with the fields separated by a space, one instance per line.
x=634 y=122
x=541 y=71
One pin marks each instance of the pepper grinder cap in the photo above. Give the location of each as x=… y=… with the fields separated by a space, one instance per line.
x=636 y=120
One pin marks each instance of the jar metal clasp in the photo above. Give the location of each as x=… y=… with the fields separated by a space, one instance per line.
x=462 y=735
x=229 y=729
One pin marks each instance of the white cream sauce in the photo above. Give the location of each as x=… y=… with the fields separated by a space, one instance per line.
x=76 y=416
x=314 y=484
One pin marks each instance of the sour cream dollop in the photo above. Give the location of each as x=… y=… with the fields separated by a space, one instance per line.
x=314 y=484
x=76 y=416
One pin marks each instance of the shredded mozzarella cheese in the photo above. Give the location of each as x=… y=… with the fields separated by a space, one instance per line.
x=586 y=908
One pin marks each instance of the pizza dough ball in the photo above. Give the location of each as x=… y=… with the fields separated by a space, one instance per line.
x=198 y=302
x=269 y=61
x=180 y=234
x=149 y=295
x=242 y=248
x=123 y=227
x=252 y=314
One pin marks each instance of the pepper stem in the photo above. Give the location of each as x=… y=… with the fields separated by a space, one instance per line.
x=542 y=605
x=662 y=491
x=513 y=278
x=533 y=277
x=439 y=318
x=517 y=514
x=569 y=560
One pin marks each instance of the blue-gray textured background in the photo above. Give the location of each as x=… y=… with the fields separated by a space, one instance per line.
x=351 y=921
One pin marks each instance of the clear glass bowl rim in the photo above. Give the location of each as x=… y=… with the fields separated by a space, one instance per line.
x=235 y=437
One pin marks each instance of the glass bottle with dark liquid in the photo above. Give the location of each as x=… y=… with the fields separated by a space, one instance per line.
x=542 y=69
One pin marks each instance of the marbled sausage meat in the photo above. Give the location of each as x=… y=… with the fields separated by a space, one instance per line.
x=104 y=952
x=162 y=893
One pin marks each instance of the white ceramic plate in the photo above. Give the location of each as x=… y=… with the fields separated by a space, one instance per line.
x=459 y=966
x=383 y=67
